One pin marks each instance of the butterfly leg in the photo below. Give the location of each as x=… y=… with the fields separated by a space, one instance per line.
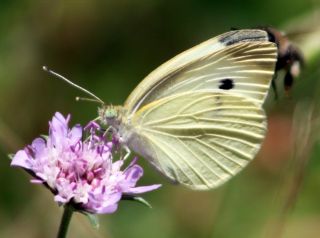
x=107 y=131
x=274 y=86
x=128 y=152
x=288 y=82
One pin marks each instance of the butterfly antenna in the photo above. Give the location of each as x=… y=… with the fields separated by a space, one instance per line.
x=45 y=68
x=87 y=99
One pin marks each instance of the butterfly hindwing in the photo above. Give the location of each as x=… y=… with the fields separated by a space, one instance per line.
x=199 y=139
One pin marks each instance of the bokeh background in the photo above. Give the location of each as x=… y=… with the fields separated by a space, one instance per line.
x=108 y=47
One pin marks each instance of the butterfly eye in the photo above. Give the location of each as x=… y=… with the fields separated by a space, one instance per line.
x=226 y=84
x=110 y=113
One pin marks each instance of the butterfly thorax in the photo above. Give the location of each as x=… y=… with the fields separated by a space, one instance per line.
x=114 y=117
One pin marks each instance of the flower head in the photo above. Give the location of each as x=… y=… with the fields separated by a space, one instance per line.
x=80 y=171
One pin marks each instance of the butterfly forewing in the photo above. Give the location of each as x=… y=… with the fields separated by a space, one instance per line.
x=240 y=61
x=199 y=139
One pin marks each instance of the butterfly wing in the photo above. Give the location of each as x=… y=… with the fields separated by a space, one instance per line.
x=199 y=139
x=198 y=118
x=240 y=61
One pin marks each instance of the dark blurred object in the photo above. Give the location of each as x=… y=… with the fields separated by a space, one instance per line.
x=290 y=58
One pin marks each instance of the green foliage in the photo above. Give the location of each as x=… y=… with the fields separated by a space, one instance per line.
x=93 y=219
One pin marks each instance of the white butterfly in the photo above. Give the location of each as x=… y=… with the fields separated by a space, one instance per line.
x=198 y=118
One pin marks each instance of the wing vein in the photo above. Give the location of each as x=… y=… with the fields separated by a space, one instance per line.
x=157 y=143
x=199 y=159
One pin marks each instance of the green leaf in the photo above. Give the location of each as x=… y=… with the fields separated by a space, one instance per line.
x=93 y=219
x=45 y=137
x=137 y=199
x=11 y=156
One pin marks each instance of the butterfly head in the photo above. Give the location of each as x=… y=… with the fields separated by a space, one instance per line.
x=110 y=115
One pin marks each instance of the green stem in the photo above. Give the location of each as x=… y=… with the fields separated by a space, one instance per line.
x=65 y=221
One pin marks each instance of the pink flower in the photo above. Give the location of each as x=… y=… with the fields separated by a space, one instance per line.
x=81 y=172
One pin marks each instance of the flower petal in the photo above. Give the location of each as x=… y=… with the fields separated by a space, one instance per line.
x=38 y=146
x=133 y=174
x=21 y=159
x=58 y=129
x=36 y=181
x=109 y=209
x=142 y=189
x=75 y=134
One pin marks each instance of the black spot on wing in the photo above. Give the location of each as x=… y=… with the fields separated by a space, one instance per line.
x=226 y=84
x=238 y=36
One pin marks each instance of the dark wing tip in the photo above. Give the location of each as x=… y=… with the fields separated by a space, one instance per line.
x=237 y=36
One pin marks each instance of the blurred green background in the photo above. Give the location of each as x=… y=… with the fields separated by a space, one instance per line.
x=108 y=47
